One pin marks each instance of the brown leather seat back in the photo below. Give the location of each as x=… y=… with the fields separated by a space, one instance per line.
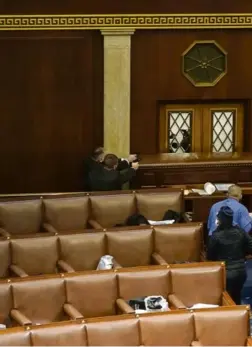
x=154 y=205
x=83 y=251
x=35 y=255
x=4 y=258
x=116 y=331
x=178 y=242
x=173 y=329
x=40 y=300
x=59 y=334
x=6 y=302
x=21 y=217
x=109 y=210
x=198 y=283
x=143 y=282
x=67 y=214
x=222 y=327
x=92 y=295
x=131 y=248
x=17 y=337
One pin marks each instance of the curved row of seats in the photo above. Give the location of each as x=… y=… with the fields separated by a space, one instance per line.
x=51 y=298
x=226 y=326
x=74 y=212
x=132 y=246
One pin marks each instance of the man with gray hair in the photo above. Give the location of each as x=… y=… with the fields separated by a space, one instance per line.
x=241 y=215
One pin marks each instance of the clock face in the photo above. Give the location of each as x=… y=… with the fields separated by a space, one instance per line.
x=204 y=63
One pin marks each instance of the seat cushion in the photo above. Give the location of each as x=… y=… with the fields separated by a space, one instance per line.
x=178 y=243
x=198 y=283
x=131 y=247
x=67 y=214
x=21 y=217
x=15 y=337
x=4 y=258
x=35 y=256
x=109 y=210
x=137 y=283
x=40 y=300
x=82 y=251
x=154 y=205
x=6 y=301
x=222 y=327
x=91 y=294
x=114 y=332
x=173 y=329
x=59 y=334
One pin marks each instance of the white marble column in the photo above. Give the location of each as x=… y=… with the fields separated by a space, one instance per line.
x=117 y=44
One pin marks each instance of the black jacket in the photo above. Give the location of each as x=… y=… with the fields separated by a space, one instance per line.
x=106 y=180
x=231 y=246
x=89 y=165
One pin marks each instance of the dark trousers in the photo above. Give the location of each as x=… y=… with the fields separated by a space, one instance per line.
x=235 y=282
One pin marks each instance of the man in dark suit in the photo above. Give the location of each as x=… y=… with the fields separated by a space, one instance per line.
x=94 y=161
x=107 y=177
x=91 y=163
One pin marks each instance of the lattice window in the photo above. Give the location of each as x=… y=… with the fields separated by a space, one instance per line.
x=223 y=131
x=179 y=126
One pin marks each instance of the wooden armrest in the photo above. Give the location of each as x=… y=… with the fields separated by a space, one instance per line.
x=124 y=307
x=227 y=300
x=95 y=224
x=176 y=302
x=203 y=256
x=116 y=265
x=196 y=343
x=158 y=259
x=249 y=341
x=65 y=266
x=20 y=318
x=72 y=312
x=49 y=228
x=4 y=233
x=18 y=271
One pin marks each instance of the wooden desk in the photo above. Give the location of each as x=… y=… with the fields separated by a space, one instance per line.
x=199 y=205
x=169 y=169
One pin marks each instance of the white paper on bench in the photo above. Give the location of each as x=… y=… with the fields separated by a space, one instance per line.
x=161 y=222
x=223 y=187
x=200 y=191
x=203 y=306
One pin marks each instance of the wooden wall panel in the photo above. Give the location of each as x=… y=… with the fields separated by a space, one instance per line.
x=50 y=105
x=157 y=77
x=121 y=6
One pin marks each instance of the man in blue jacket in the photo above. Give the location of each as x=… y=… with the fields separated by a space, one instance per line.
x=241 y=215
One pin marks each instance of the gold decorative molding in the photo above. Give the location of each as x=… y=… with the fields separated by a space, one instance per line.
x=127 y=21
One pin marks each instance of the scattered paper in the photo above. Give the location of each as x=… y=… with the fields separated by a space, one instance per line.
x=161 y=222
x=197 y=306
x=223 y=187
x=200 y=191
x=141 y=311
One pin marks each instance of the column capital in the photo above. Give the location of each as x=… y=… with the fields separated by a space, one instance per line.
x=117 y=32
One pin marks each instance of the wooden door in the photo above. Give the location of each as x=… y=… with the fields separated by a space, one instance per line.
x=201 y=128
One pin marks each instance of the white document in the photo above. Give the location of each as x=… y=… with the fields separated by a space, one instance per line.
x=223 y=187
x=161 y=222
x=200 y=191
x=197 y=306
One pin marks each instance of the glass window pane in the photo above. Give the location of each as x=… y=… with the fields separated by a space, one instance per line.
x=179 y=129
x=223 y=131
